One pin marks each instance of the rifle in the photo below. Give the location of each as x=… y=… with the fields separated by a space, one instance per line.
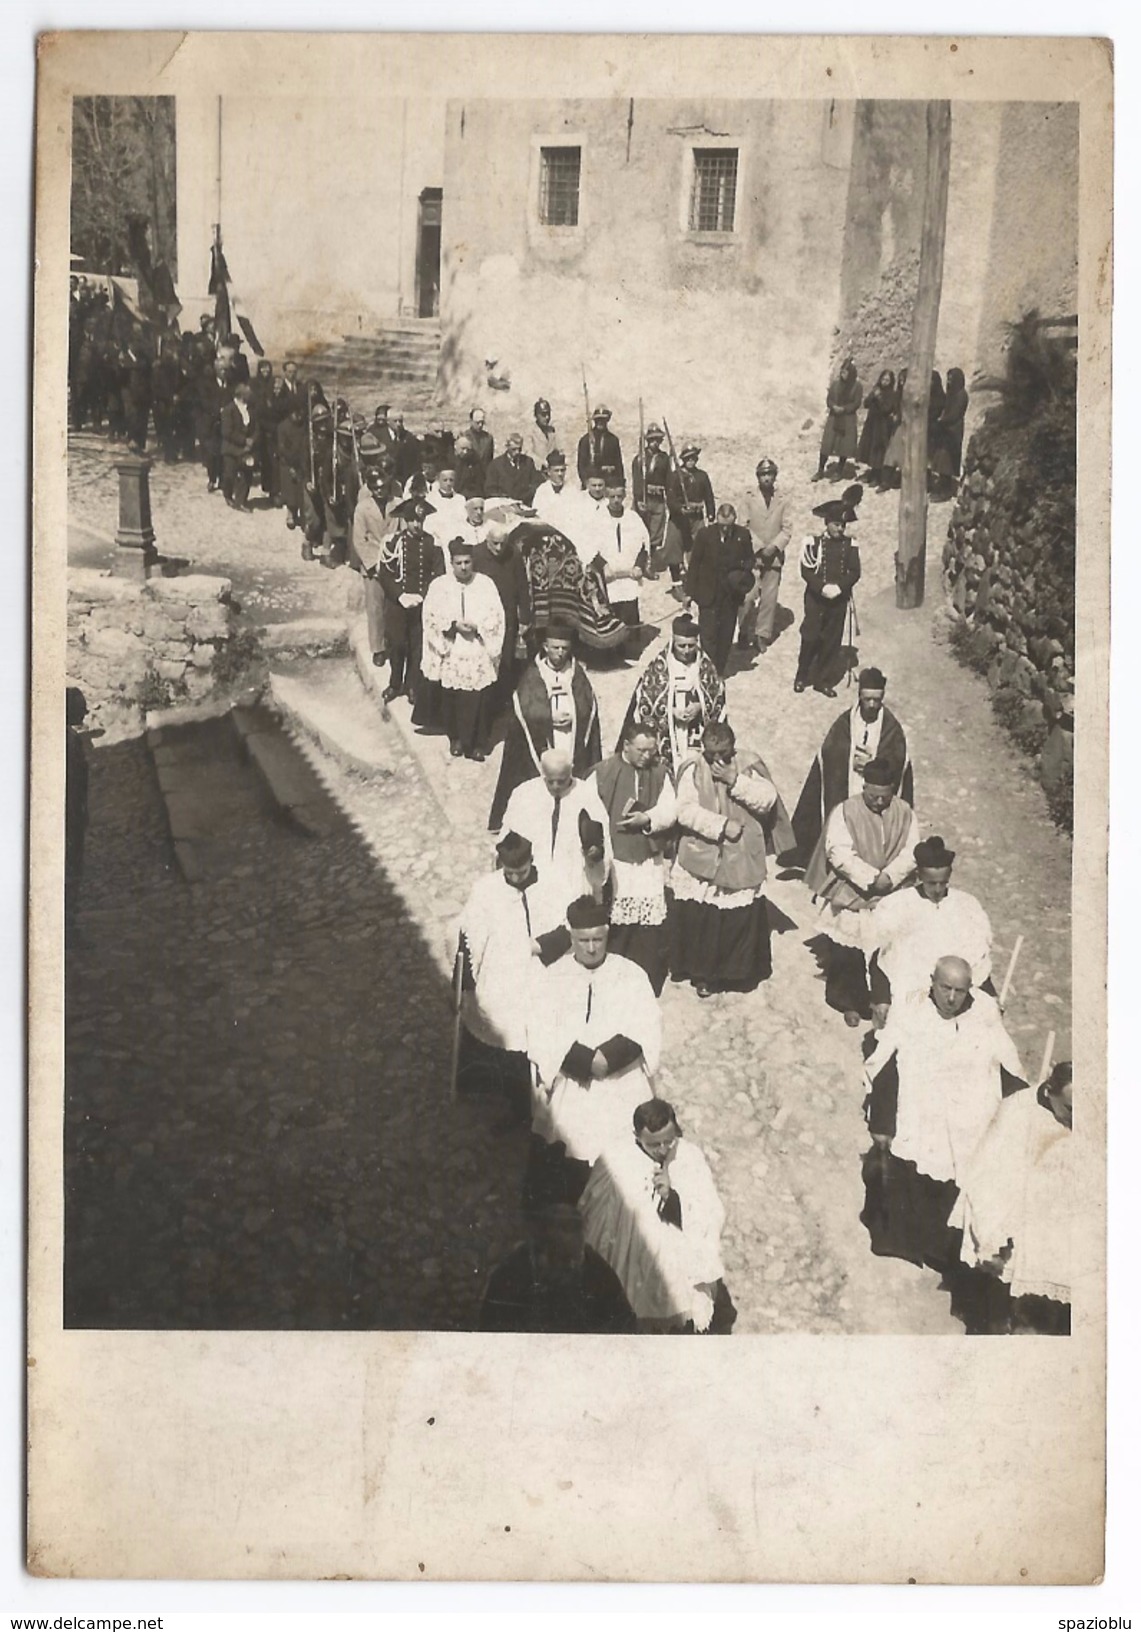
x=641 y=452
x=673 y=452
x=312 y=453
x=585 y=397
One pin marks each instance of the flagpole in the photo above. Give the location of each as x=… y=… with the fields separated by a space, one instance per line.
x=218 y=177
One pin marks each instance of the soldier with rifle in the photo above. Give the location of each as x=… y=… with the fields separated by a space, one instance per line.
x=600 y=452
x=690 y=506
x=650 y=473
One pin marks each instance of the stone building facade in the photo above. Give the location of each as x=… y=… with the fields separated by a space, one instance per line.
x=322 y=207
x=817 y=250
x=710 y=256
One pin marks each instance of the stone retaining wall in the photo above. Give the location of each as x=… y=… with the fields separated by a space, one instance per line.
x=1008 y=570
x=133 y=646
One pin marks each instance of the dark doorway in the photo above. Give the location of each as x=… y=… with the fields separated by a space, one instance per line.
x=428 y=253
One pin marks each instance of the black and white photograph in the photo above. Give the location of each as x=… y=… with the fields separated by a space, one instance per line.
x=572 y=660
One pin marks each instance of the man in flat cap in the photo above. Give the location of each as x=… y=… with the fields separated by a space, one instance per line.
x=595 y=1038
x=513 y=475
x=910 y=930
x=830 y=567
x=867 y=730
x=599 y=451
x=542 y=438
x=553 y=704
x=649 y=476
x=690 y=505
x=498 y=935
x=408 y=566
x=678 y=693
x=766 y=516
x=866 y=851
x=463 y=638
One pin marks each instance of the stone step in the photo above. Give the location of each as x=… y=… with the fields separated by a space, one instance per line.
x=222 y=776
x=462 y=790
x=325 y=702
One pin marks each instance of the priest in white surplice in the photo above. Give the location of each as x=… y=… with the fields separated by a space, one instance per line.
x=463 y=637
x=652 y=1211
x=911 y=930
x=1016 y=1205
x=568 y=829
x=936 y=1077
x=499 y=942
x=595 y=1039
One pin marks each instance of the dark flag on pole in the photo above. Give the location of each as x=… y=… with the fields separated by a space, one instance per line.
x=218 y=287
x=157 y=302
x=252 y=340
x=225 y=310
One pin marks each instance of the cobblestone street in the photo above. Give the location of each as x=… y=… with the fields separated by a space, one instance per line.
x=259 y=1134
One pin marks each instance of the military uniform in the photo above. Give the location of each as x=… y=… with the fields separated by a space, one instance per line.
x=825 y=560
x=650 y=496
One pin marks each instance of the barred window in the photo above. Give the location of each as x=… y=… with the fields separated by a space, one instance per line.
x=712 y=203
x=559 y=174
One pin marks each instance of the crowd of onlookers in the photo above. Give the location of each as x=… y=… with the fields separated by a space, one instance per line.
x=878 y=443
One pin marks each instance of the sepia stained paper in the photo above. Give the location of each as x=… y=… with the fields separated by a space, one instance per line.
x=440 y=1456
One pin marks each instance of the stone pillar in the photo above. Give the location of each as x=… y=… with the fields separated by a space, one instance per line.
x=135 y=535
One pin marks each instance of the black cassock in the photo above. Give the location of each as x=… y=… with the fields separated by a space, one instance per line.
x=826 y=785
x=531 y=732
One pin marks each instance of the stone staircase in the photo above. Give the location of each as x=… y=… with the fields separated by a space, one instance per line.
x=400 y=361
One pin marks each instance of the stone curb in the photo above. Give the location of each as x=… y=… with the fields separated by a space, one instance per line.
x=374 y=681
x=352 y=746
x=314 y=637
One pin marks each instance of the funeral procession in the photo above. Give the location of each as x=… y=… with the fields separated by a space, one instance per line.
x=570 y=716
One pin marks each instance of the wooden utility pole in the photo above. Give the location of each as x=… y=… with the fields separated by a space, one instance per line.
x=911 y=556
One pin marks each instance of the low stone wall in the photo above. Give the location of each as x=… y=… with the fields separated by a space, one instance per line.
x=1008 y=571
x=133 y=646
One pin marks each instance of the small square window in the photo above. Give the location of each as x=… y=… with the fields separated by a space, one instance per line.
x=559 y=174
x=713 y=201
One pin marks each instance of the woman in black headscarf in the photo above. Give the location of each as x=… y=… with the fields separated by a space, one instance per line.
x=876 y=434
x=946 y=456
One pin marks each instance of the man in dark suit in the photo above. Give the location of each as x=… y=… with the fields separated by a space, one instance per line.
x=407 y=454
x=600 y=452
x=719 y=576
x=513 y=474
x=384 y=432
x=481 y=439
x=239 y=436
x=213 y=396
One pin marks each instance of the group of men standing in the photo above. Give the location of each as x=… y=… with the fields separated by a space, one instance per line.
x=619 y=872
